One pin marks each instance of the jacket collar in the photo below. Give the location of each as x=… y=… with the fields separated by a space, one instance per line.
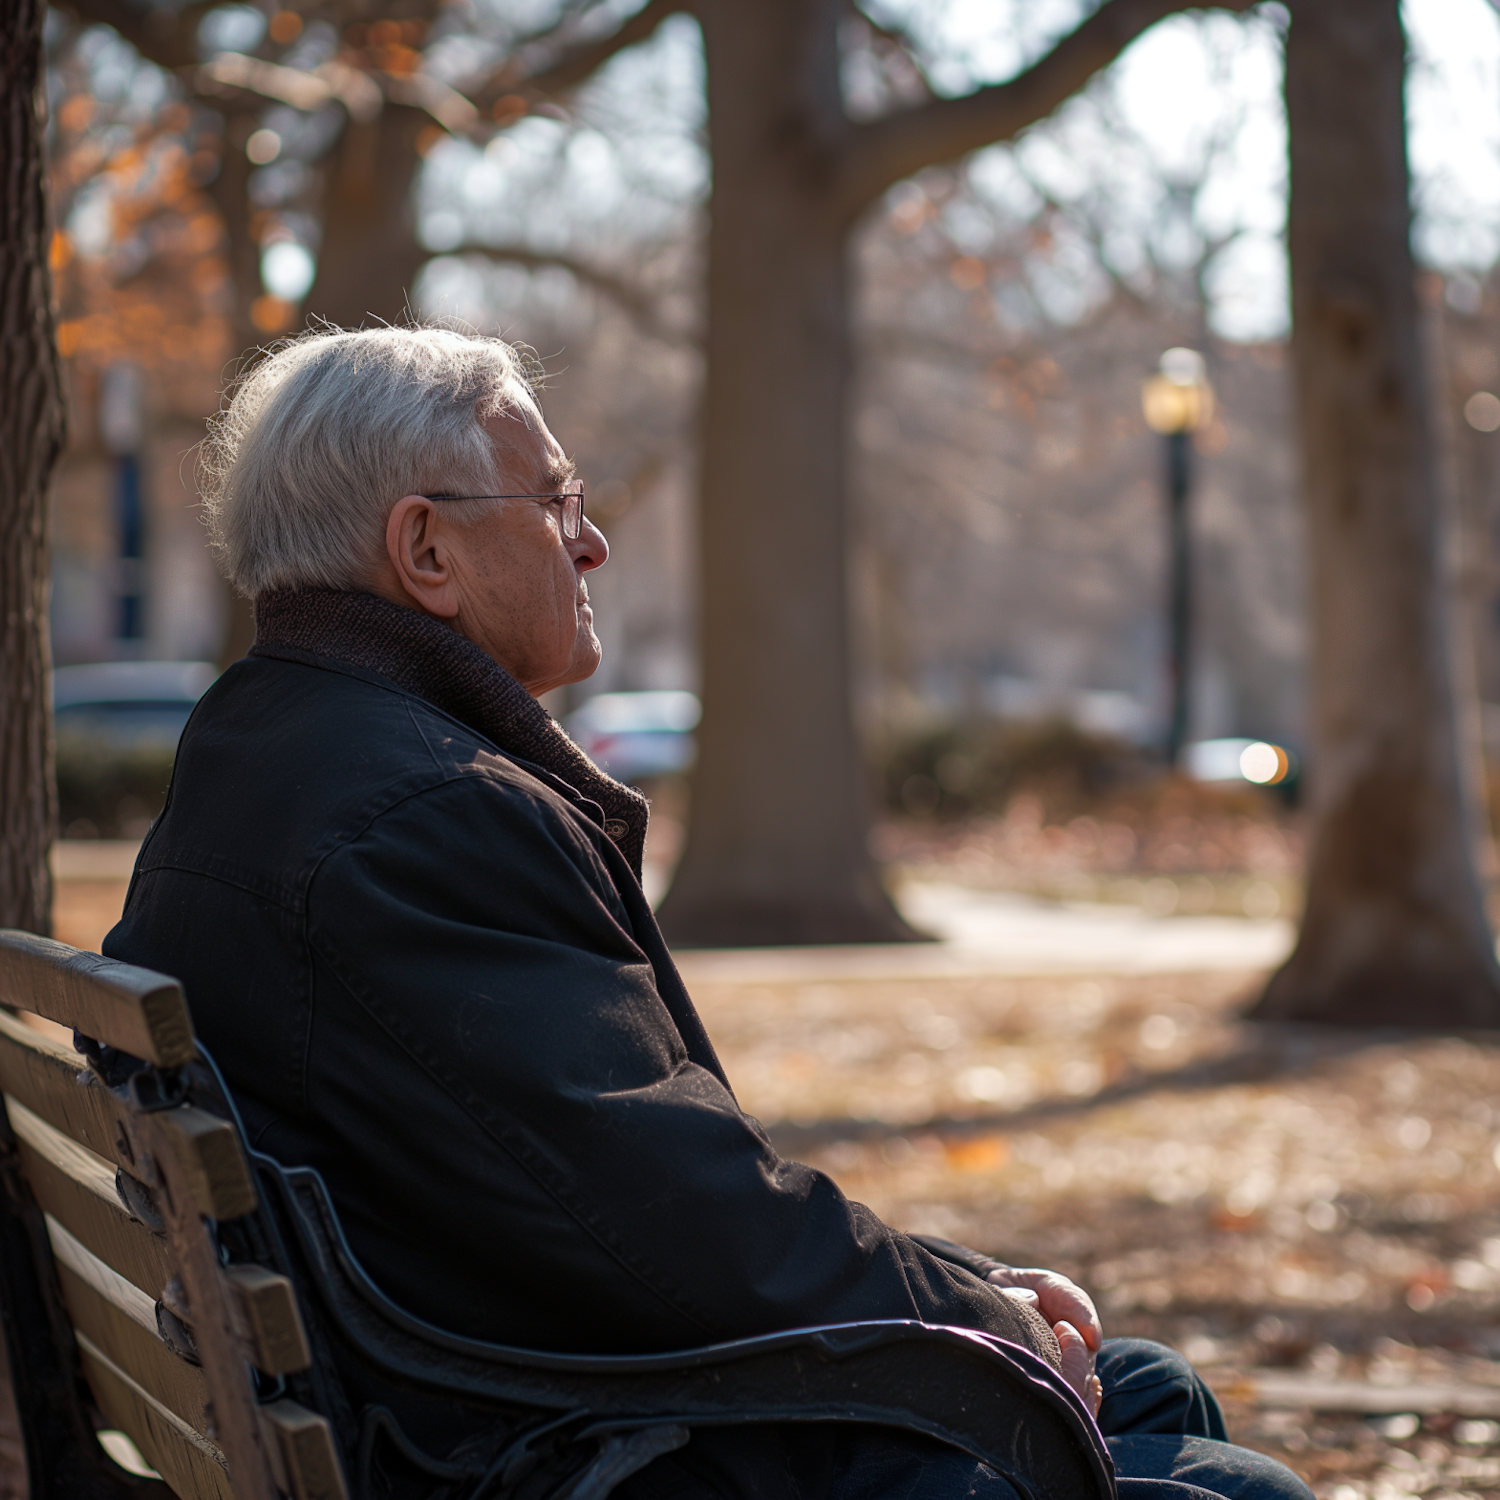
x=427 y=658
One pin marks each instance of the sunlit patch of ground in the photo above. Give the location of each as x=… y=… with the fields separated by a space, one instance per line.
x=1255 y=1196
x=1169 y=846
x=90 y=878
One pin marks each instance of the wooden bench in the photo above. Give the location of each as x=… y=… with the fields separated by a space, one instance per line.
x=159 y=1278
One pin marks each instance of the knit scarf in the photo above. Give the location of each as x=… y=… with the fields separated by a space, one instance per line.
x=430 y=659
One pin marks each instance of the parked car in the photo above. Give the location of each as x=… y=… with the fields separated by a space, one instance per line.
x=118 y=723
x=636 y=735
x=129 y=705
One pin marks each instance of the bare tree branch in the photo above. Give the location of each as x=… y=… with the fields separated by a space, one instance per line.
x=1087 y=224
x=170 y=41
x=627 y=296
x=882 y=152
x=230 y=71
x=899 y=41
x=167 y=38
x=576 y=64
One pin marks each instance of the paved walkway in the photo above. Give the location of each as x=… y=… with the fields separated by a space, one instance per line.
x=94 y=859
x=998 y=932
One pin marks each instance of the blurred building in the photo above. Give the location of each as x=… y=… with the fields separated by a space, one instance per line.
x=183 y=604
x=141 y=278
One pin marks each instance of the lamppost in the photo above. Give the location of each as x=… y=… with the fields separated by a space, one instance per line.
x=1177 y=401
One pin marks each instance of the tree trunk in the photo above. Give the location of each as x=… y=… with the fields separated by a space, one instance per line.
x=776 y=851
x=367 y=263
x=31 y=437
x=1394 y=931
x=228 y=191
x=370 y=255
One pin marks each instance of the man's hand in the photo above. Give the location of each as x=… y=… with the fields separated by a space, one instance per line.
x=1071 y=1312
x=1058 y=1299
x=1078 y=1366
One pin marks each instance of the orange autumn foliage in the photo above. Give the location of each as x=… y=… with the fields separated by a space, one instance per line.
x=149 y=281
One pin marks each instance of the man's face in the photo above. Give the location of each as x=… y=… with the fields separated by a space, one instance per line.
x=521 y=593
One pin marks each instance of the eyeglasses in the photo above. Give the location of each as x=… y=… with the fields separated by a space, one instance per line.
x=571 y=502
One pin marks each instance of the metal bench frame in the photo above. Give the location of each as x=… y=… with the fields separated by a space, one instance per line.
x=298 y=1351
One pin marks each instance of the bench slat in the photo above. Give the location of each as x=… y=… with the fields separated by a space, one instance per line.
x=266 y=1312
x=303 y=1455
x=51 y=1081
x=188 y=1461
x=134 y=1010
x=88 y=1206
x=173 y=1382
x=47 y=1078
x=209 y=1160
x=102 y=1279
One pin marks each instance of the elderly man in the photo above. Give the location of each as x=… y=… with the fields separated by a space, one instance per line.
x=407 y=910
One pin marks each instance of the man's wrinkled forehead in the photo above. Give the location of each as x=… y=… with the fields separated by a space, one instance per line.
x=525 y=442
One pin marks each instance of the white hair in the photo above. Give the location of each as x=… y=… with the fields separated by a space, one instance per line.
x=319 y=440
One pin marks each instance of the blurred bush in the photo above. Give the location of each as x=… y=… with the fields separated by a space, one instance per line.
x=956 y=769
x=1061 y=814
x=105 y=791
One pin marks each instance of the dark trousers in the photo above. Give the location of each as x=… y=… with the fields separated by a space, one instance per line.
x=1166 y=1435
x=1162 y=1424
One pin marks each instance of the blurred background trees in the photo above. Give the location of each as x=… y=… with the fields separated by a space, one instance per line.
x=539 y=170
x=777 y=856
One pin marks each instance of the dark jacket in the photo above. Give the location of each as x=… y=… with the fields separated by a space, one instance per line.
x=426 y=971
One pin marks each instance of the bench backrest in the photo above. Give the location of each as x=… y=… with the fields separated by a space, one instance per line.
x=180 y=1350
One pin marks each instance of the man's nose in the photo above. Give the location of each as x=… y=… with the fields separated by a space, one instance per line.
x=590 y=551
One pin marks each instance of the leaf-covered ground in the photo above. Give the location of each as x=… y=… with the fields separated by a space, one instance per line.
x=1256 y=1196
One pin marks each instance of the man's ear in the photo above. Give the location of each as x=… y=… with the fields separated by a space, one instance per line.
x=421 y=556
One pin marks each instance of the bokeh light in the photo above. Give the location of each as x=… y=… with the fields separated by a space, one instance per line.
x=287 y=270
x=1263 y=764
x=263 y=146
x=1482 y=411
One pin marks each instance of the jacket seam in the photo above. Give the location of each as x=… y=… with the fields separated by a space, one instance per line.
x=594 y=836
x=303 y=1063
x=260 y=892
x=416 y=724
x=455 y=779
x=296 y=901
